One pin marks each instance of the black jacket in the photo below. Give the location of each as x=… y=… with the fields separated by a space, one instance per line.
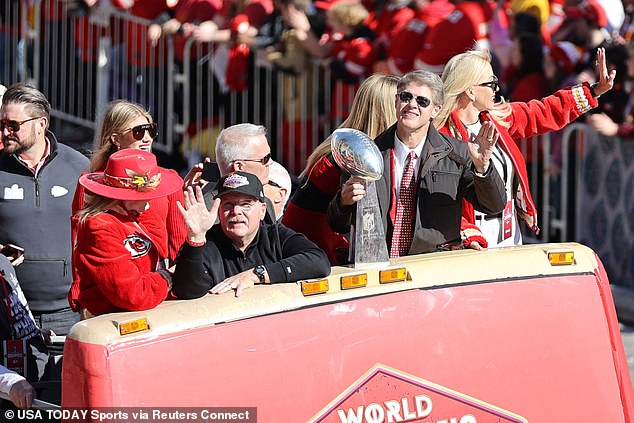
x=287 y=255
x=445 y=177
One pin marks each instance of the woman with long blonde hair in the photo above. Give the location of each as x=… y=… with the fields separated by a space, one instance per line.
x=372 y=112
x=470 y=86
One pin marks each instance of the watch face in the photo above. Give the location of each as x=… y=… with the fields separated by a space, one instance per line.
x=259 y=271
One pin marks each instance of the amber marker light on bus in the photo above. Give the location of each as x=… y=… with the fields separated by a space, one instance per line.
x=133 y=326
x=314 y=286
x=560 y=258
x=393 y=275
x=355 y=281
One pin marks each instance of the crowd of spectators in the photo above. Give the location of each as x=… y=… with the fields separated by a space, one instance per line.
x=537 y=46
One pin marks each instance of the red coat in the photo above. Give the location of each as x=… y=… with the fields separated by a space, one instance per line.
x=140 y=51
x=526 y=120
x=193 y=11
x=400 y=56
x=460 y=31
x=115 y=262
x=386 y=23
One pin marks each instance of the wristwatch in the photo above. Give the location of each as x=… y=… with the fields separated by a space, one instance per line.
x=260 y=272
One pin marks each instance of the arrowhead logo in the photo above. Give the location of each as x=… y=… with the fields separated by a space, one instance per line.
x=386 y=395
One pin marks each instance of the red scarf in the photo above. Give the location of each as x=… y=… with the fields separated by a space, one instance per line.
x=455 y=127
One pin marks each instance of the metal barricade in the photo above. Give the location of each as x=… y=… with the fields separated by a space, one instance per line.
x=296 y=109
x=141 y=71
x=553 y=167
x=16 y=35
x=81 y=59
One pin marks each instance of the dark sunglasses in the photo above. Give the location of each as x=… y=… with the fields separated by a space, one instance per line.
x=138 y=132
x=263 y=161
x=406 y=97
x=493 y=84
x=14 y=125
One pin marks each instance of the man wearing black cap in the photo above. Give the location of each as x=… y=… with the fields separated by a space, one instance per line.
x=240 y=251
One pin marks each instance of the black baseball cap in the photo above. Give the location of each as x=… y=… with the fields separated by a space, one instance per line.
x=242 y=182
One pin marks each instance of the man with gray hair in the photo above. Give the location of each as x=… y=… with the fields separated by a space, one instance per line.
x=426 y=175
x=278 y=189
x=243 y=147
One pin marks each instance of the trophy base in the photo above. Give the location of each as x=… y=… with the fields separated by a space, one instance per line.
x=369 y=247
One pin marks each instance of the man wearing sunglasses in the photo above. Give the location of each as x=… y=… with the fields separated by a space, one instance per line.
x=243 y=147
x=38 y=177
x=426 y=175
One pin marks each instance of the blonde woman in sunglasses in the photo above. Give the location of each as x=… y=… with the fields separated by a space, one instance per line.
x=470 y=89
x=128 y=125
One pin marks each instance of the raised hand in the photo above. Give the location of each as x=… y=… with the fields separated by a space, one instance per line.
x=196 y=215
x=606 y=80
x=194 y=176
x=481 y=146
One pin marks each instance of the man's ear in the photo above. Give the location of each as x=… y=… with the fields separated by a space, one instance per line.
x=263 y=212
x=40 y=127
x=435 y=112
x=237 y=165
x=44 y=124
x=283 y=193
x=278 y=196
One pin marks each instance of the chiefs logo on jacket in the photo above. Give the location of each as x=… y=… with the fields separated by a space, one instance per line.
x=137 y=246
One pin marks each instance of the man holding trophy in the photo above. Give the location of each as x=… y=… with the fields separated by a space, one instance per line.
x=425 y=176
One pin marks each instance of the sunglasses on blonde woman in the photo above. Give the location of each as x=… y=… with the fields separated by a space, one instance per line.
x=493 y=84
x=138 y=132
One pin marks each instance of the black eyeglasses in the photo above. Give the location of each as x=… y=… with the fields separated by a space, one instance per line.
x=138 y=132
x=406 y=97
x=263 y=161
x=14 y=125
x=274 y=184
x=493 y=84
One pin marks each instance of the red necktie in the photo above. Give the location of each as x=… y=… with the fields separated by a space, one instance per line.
x=405 y=210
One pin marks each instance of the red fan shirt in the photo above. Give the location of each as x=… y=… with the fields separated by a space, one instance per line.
x=463 y=29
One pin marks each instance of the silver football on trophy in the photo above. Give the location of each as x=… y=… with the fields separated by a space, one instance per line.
x=355 y=152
